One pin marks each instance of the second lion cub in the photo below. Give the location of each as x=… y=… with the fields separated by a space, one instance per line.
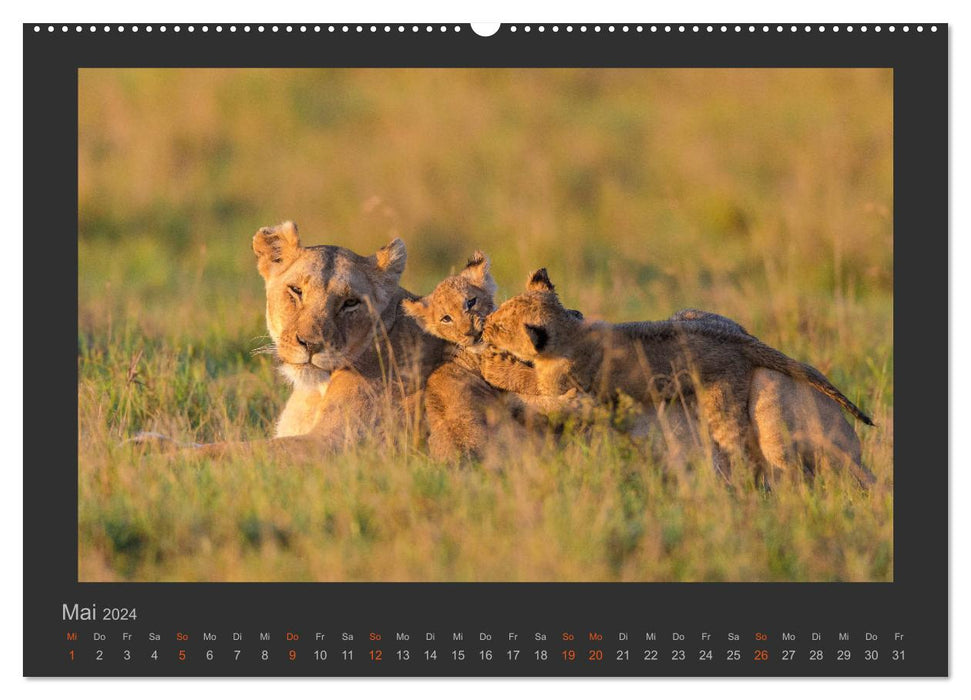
x=653 y=363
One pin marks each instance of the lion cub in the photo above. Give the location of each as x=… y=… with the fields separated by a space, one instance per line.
x=653 y=363
x=797 y=427
x=462 y=399
x=467 y=397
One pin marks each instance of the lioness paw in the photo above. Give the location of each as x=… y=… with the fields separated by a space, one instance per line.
x=157 y=441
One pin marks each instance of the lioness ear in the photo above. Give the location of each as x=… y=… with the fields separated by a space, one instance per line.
x=478 y=273
x=391 y=258
x=417 y=309
x=537 y=336
x=275 y=247
x=539 y=281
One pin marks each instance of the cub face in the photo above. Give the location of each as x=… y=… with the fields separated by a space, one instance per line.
x=532 y=324
x=322 y=302
x=456 y=309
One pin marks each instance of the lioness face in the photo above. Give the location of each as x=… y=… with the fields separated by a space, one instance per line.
x=323 y=302
x=456 y=310
x=529 y=325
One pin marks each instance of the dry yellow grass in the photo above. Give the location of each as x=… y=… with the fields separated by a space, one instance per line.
x=764 y=195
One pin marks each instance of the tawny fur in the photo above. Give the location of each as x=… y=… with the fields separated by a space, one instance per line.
x=338 y=330
x=464 y=404
x=796 y=426
x=474 y=392
x=653 y=363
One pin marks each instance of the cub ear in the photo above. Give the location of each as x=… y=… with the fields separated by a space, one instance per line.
x=537 y=336
x=539 y=281
x=275 y=247
x=417 y=309
x=477 y=271
x=391 y=258
x=578 y=315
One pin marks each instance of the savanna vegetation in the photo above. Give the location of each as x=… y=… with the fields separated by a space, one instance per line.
x=763 y=195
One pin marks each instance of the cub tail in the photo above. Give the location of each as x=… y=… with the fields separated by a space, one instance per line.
x=770 y=358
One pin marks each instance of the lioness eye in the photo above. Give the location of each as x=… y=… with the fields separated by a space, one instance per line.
x=350 y=304
x=296 y=291
x=446 y=319
x=470 y=303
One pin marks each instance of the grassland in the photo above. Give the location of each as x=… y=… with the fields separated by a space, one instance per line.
x=763 y=195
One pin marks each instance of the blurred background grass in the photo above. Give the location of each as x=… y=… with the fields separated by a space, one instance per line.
x=764 y=195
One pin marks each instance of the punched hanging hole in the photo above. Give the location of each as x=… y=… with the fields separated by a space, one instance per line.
x=485 y=28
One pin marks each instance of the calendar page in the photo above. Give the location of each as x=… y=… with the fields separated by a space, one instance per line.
x=451 y=350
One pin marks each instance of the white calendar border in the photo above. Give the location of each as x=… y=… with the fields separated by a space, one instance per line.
x=824 y=11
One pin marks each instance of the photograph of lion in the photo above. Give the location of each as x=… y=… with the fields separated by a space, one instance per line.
x=485 y=325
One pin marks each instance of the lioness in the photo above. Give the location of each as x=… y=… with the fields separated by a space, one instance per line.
x=471 y=395
x=652 y=362
x=337 y=328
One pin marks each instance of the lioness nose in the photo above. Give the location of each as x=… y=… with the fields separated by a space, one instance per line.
x=310 y=345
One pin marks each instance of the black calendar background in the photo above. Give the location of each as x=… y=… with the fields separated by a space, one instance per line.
x=915 y=604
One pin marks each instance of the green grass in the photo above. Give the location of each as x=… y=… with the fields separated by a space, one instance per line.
x=764 y=195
